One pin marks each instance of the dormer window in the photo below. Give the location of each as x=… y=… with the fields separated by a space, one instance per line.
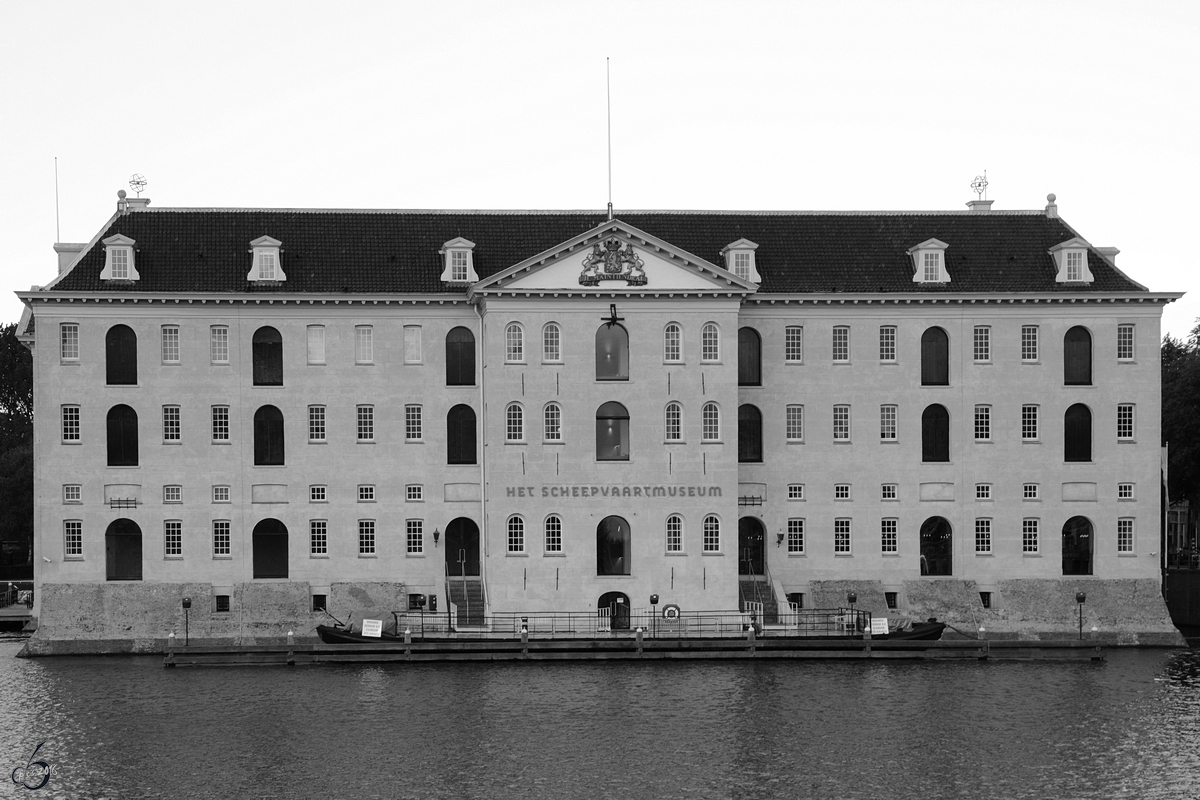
x=929 y=262
x=458 y=263
x=266 y=266
x=1070 y=258
x=739 y=259
x=119 y=259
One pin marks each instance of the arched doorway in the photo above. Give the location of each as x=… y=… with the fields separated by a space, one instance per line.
x=462 y=548
x=1077 y=541
x=751 y=555
x=617 y=605
x=937 y=547
x=612 y=547
x=123 y=551
x=270 y=544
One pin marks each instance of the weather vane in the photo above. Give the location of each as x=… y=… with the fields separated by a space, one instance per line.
x=138 y=183
x=980 y=185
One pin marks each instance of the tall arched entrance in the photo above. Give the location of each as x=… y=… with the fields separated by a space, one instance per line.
x=613 y=547
x=462 y=548
x=937 y=547
x=751 y=554
x=617 y=606
x=270 y=545
x=123 y=551
x=1077 y=542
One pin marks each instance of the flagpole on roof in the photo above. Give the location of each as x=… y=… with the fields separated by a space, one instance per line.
x=608 y=101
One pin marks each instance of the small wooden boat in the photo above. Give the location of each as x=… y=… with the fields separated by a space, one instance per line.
x=331 y=634
x=929 y=631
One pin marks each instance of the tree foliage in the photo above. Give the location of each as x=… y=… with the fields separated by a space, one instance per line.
x=1181 y=414
x=16 y=437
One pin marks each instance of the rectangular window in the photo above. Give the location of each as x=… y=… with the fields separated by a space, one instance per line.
x=554 y=534
x=1029 y=536
x=888 y=537
x=120 y=263
x=795 y=491
x=795 y=423
x=220 y=423
x=889 y=491
x=983 y=423
x=366 y=493
x=1029 y=342
x=366 y=423
x=1074 y=266
x=983 y=491
x=1029 y=423
x=316 y=423
x=218 y=344
x=841 y=491
x=412 y=344
x=68 y=337
x=318 y=538
x=983 y=343
x=316 y=344
x=795 y=536
x=414 y=493
x=220 y=538
x=170 y=344
x=1124 y=343
x=887 y=423
x=317 y=494
x=674 y=534
x=73 y=493
x=931 y=264
x=412 y=424
x=1125 y=421
x=841 y=536
x=1125 y=535
x=983 y=536
x=741 y=265
x=415 y=537
x=222 y=602
x=70 y=423
x=1124 y=491
x=220 y=494
x=364 y=344
x=841 y=344
x=1030 y=491
x=171 y=426
x=712 y=535
x=841 y=423
x=366 y=537
x=887 y=343
x=173 y=494
x=172 y=538
x=458 y=265
x=793 y=344
x=72 y=539
x=266 y=266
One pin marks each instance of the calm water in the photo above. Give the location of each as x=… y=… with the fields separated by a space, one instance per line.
x=127 y=727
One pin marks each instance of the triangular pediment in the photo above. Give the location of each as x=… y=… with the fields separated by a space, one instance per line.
x=611 y=257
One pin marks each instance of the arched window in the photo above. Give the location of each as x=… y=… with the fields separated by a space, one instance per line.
x=937 y=547
x=551 y=343
x=710 y=342
x=270 y=545
x=553 y=534
x=514 y=423
x=552 y=423
x=712 y=423
x=612 y=353
x=123 y=551
x=514 y=343
x=935 y=433
x=1077 y=357
x=460 y=435
x=460 y=357
x=268 y=357
x=750 y=449
x=712 y=534
x=120 y=356
x=268 y=436
x=1077 y=433
x=674 y=534
x=122 y=437
x=1077 y=546
x=935 y=357
x=674 y=422
x=749 y=357
x=612 y=546
x=516 y=534
x=672 y=343
x=612 y=432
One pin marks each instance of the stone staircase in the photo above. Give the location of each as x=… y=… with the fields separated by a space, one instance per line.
x=468 y=595
x=755 y=589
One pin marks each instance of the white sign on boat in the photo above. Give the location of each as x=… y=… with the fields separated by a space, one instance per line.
x=879 y=626
x=372 y=627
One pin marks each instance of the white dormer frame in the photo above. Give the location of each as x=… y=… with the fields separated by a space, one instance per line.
x=929 y=262
x=119 y=261
x=1071 y=259
x=266 y=265
x=739 y=255
x=458 y=261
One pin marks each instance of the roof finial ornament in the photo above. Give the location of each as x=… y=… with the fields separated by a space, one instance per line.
x=138 y=183
x=980 y=184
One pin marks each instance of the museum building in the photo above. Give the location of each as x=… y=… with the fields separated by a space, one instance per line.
x=277 y=411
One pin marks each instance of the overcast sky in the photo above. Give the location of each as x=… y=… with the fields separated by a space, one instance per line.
x=739 y=105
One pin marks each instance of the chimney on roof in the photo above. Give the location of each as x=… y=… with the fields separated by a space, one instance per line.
x=67 y=253
x=1051 y=206
x=980 y=206
x=1110 y=253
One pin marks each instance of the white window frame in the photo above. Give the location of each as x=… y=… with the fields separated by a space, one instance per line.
x=889 y=535
x=366 y=493
x=68 y=341
x=1126 y=490
x=220 y=427
x=1030 y=344
x=983 y=492
x=982 y=344
x=222 y=538
x=710 y=343
x=172 y=494
x=841 y=422
x=72 y=493
x=1126 y=422
x=514 y=343
x=674 y=533
x=414 y=537
x=316 y=424
x=552 y=540
x=318 y=537
x=1030 y=423
x=515 y=529
x=170 y=344
x=73 y=538
x=120 y=262
x=710 y=423
x=218 y=344
x=841 y=491
x=552 y=343
x=365 y=423
x=888 y=422
x=552 y=423
x=795 y=536
x=794 y=422
x=841 y=344
x=1125 y=535
x=220 y=493
x=1031 y=492
x=1126 y=342
x=267 y=261
x=315 y=341
x=364 y=344
x=1030 y=536
x=983 y=422
x=71 y=426
x=887 y=344
x=843 y=536
x=983 y=536
x=793 y=344
x=413 y=353
x=172 y=538
x=889 y=491
x=711 y=527
x=414 y=493
x=318 y=493
x=414 y=423
x=172 y=424
x=514 y=423
x=673 y=343
x=367 y=540
x=795 y=491
x=673 y=429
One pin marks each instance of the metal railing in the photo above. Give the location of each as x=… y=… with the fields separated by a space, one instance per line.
x=16 y=592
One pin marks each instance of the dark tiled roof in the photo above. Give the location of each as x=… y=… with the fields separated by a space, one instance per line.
x=202 y=250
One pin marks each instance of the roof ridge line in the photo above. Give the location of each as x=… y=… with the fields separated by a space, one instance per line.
x=597 y=212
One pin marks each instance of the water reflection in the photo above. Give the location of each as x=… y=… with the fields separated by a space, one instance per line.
x=126 y=727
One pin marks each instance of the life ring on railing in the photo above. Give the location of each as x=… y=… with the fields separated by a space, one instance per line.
x=670 y=611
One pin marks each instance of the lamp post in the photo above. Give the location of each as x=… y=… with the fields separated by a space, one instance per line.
x=1080 y=598
x=436 y=535
x=852 y=598
x=187 y=604
x=653 y=615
